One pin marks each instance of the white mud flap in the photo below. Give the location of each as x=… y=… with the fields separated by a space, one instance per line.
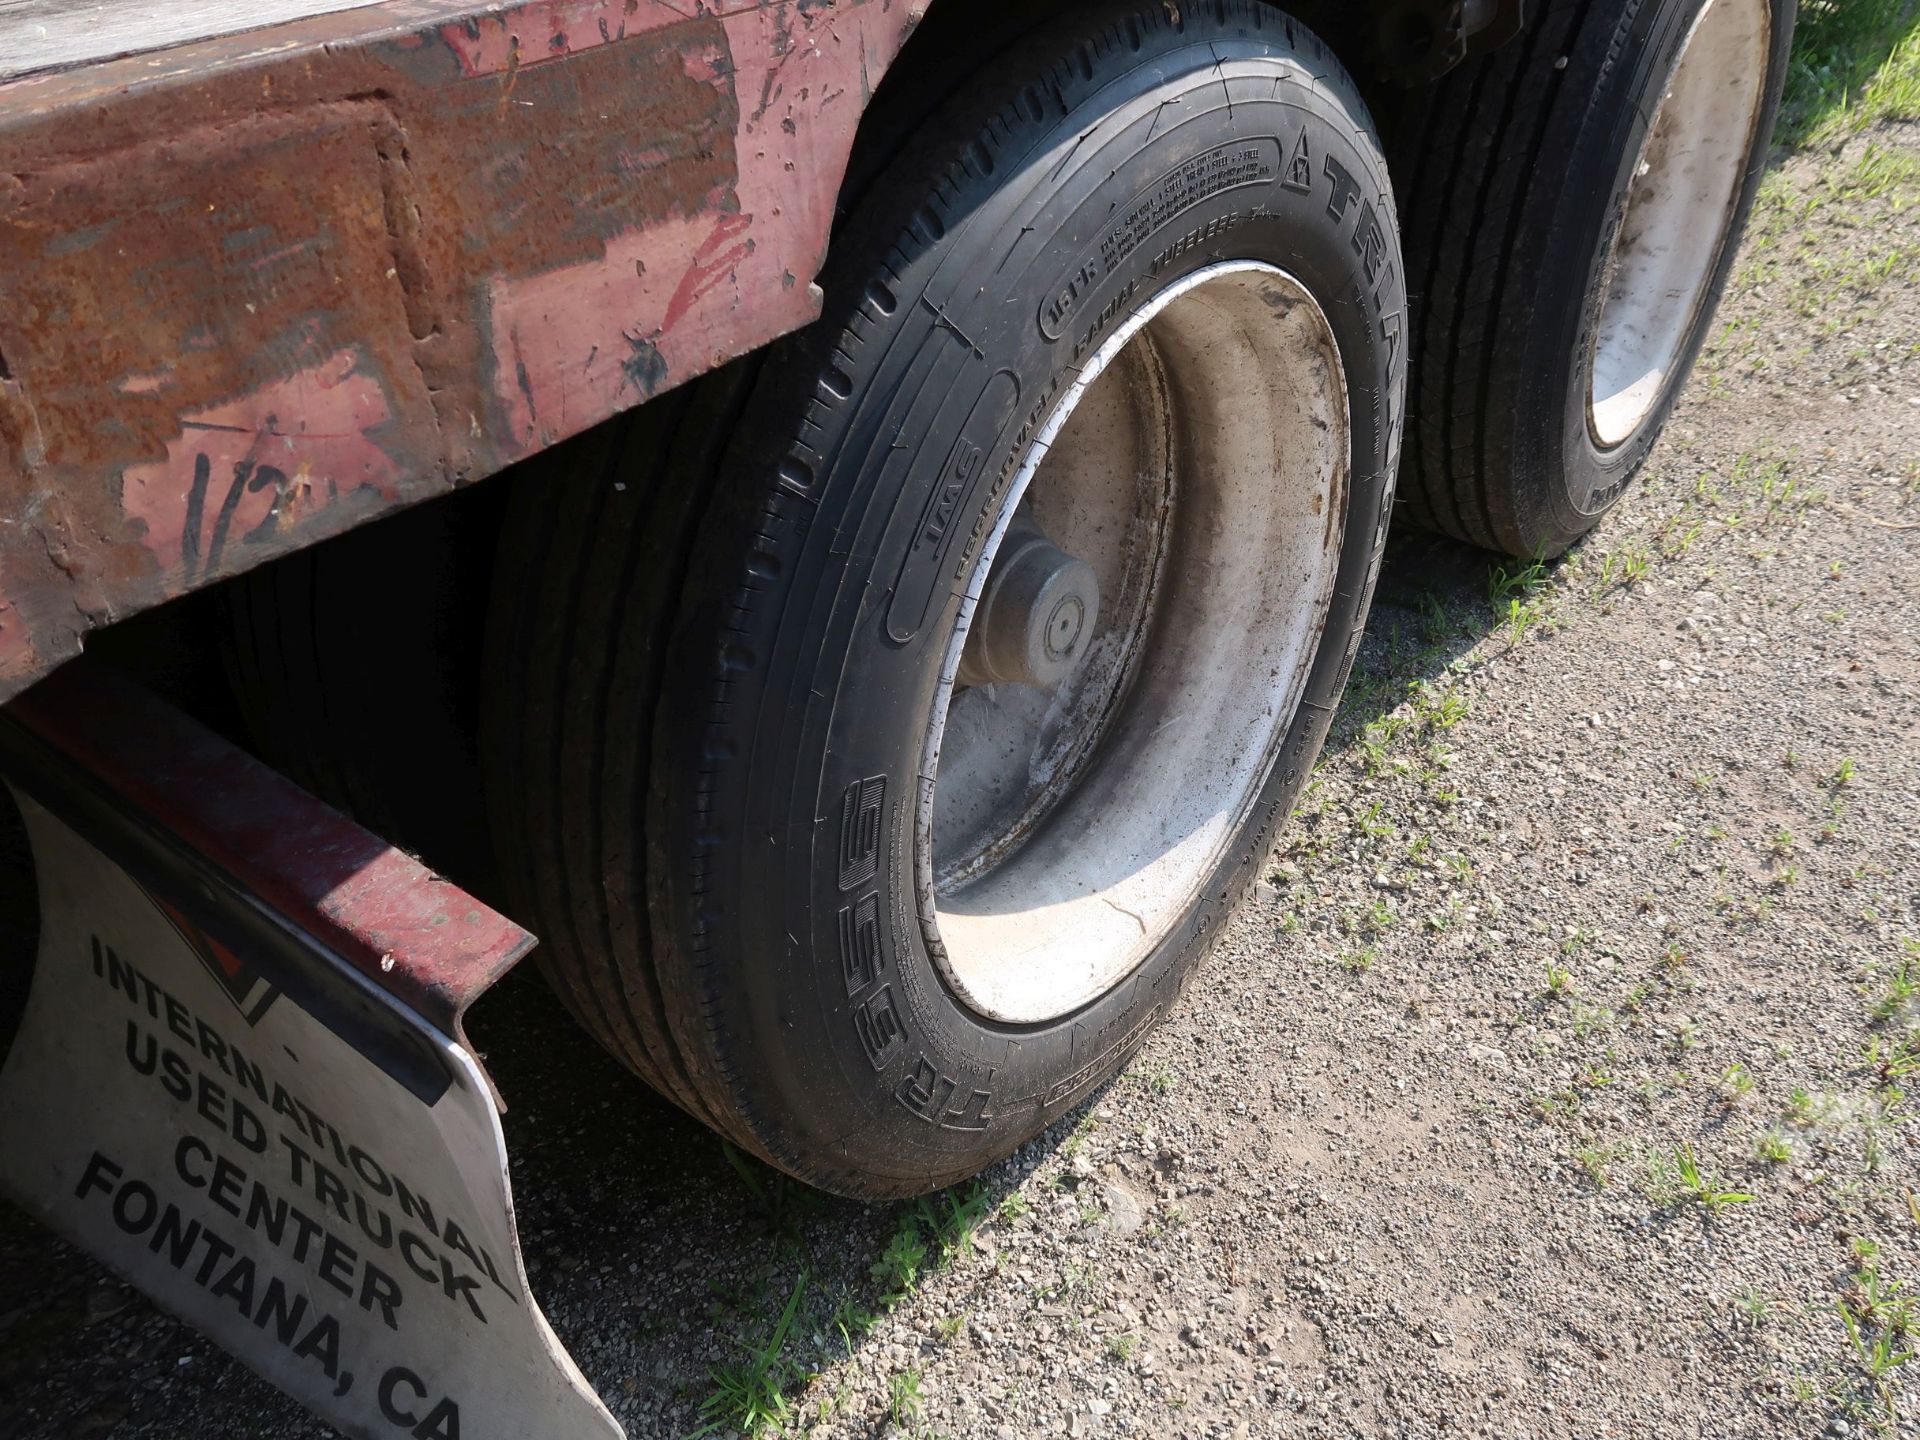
x=266 y=1140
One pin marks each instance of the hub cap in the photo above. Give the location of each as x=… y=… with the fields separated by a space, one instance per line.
x=1036 y=616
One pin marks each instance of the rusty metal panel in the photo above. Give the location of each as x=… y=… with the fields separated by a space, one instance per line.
x=411 y=933
x=255 y=291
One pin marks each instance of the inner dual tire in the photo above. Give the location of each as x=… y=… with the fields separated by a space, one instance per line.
x=882 y=729
x=1573 y=203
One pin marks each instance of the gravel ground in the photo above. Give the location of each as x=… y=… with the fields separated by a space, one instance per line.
x=1549 y=1086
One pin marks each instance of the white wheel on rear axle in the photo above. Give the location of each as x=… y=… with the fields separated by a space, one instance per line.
x=1184 y=492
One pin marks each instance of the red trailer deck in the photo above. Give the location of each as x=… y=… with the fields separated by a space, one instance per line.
x=260 y=287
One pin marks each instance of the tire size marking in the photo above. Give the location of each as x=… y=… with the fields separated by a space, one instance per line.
x=1066 y=1087
x=1201 y=177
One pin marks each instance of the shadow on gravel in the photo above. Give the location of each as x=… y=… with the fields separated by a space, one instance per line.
x=642 y=1230
x=640 y=1227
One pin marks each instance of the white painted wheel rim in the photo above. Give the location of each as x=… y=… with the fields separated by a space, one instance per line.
x=1200 y=464
x=1679 y=211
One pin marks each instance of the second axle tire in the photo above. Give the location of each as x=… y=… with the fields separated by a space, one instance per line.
x=1573 y=202
x=929 y=843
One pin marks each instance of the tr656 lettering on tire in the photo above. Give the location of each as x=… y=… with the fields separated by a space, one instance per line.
x=879 y=820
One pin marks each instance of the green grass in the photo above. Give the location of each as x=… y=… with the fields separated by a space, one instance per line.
x=897 y=1270
x=1679 y=1176
x=750 y=1396
x=1597 y=1161
x=1881 y=174
x=1358 y=962
x=1854 y=62
x=1879 y=1317
x=1802 y=1109
x=784 y=1204
x=904 y=1400
x=1902 y=986
x=1736 y=1083
x=1522 y=580
x=1880 y=1300
x=928 y=1234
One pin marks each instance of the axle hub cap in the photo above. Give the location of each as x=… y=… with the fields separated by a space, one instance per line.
x=1037 y=616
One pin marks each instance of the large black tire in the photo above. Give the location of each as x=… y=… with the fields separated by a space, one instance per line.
x=356 y=666
x=1513 y=177
x=760 y=959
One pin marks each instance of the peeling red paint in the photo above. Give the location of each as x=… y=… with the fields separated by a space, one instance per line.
x=735 y=266
x=243 y=473
x=371 y=259
x=17 y=655
x=522 y=36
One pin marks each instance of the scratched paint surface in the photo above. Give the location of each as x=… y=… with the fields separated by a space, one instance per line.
x=256 y=291
x=409 y=931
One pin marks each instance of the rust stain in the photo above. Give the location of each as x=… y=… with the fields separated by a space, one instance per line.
x=256 y=291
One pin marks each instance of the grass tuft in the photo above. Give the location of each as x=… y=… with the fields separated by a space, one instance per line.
x=750 y=1396
x=1855 y=62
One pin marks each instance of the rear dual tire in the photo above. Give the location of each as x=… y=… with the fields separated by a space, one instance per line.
x=752 y=659
x=1573 y=204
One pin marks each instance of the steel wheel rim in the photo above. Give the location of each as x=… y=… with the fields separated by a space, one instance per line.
x=1225 y=398
x=1686 y=186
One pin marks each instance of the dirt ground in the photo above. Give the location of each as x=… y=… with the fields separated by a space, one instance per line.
x=1552 y=1084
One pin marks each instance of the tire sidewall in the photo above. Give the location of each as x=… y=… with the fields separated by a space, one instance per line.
x=1634 y=70
x=821 y=982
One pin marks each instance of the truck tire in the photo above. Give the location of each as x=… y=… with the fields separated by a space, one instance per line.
x=1015 y=612
x=1574 y=200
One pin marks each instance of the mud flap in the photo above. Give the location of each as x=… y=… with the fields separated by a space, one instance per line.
x=219 y=1086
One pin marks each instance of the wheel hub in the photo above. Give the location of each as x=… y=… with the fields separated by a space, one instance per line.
x=1037 y=616
x=1680 y=209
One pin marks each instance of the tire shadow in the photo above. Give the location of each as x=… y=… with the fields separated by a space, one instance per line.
x=695 y=1286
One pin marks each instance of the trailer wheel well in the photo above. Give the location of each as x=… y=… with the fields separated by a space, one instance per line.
x=950 y=44
x=1392 y=48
